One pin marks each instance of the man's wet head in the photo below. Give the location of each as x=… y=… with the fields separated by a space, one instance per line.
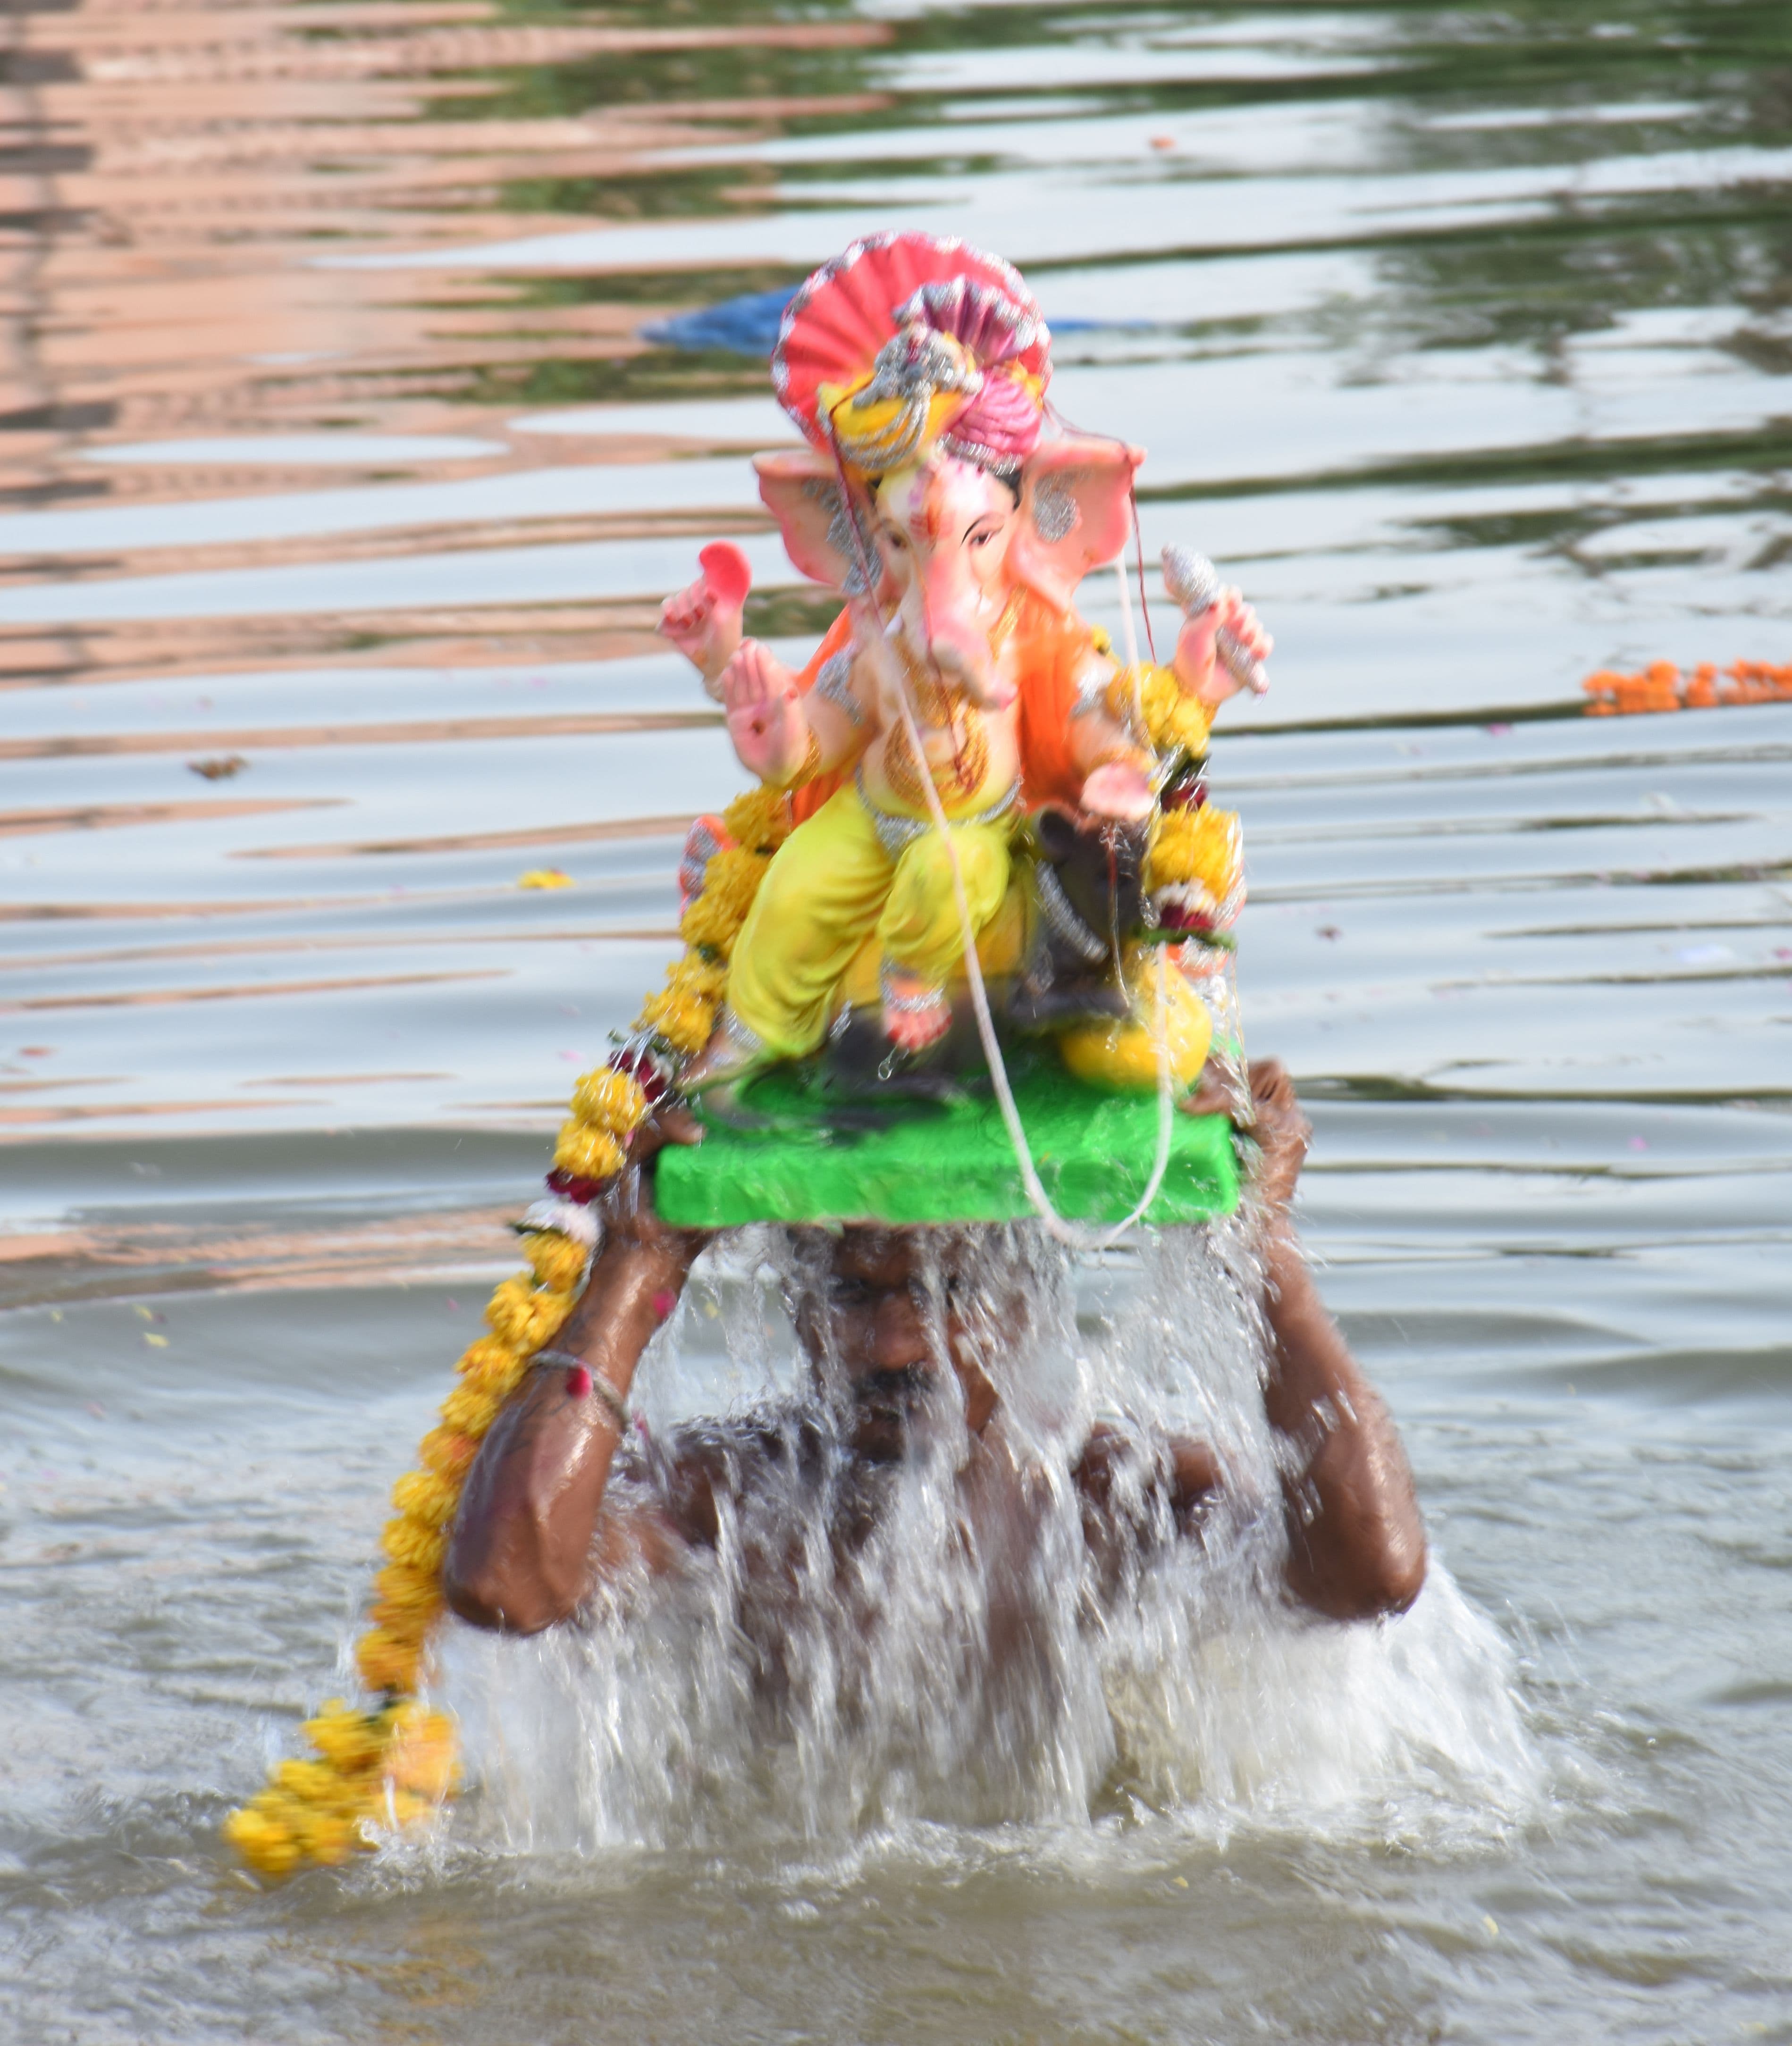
x=900 y=1321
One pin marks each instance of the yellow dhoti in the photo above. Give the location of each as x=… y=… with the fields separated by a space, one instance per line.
x=836 y=880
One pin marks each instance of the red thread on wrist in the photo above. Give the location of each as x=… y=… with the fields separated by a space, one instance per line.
x=578 y=1382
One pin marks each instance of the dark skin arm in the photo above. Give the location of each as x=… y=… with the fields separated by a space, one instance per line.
x=1179 y=1476
x=532 y=1530
x=1356 y=1541
x=532 y=1521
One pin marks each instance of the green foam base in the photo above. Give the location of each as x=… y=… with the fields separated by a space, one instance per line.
x=820 y=1160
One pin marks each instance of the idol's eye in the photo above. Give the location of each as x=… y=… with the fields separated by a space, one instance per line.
x=984 y=535
x=897 y=541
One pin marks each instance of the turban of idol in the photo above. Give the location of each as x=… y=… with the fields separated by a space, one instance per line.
x=907 y=343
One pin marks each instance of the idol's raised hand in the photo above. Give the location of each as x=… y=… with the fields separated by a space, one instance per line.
x=703 y=620
x=765 y=715
x=1202 y=674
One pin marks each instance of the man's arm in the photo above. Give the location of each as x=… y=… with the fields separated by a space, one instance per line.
x=528 y=1530
x=1134 y=1489
x=1356 y=1542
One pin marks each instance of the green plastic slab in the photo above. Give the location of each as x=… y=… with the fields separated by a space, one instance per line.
x=822 y=1161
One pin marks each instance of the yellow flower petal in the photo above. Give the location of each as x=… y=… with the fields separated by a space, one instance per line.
x=557 y=1261
x=685 y=1025
x=609 y=1100
x=588 y=1154
x=759 y=819
x=471 y=1409
x=524 y=1318
x=405 y=1586
x=426 y=1498
x=349 y=1741
x=695 y=975
x=266 y=1844
x=386 y=1665
x=448 y=1452
x=423 y=1548
x=423 y=1757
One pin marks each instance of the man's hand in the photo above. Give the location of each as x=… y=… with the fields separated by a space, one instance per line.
x=670 y=1124
x=1200 y=672
x=532 y=1526
x=1283 y=1134
x=765 y=715
x=1278 y=1123
x=637 y=1223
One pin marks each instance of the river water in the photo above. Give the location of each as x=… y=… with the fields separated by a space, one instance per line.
x=354 y=418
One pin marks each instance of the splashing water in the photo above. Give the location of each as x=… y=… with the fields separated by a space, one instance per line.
x=872 y=1649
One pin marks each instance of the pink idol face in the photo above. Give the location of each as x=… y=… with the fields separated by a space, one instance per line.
x=943 y=533
x=1074 y=515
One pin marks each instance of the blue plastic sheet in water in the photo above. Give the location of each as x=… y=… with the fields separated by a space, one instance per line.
x=748 y=325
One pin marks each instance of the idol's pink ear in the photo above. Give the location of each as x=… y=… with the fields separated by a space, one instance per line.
x=1076 y=513
x=802 y=491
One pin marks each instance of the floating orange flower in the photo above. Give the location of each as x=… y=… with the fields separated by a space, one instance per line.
x=1661 y=686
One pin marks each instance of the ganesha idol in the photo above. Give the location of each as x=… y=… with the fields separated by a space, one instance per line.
x=956 y=516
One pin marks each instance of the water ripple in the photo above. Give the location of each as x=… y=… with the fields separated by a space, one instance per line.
x=353 y=422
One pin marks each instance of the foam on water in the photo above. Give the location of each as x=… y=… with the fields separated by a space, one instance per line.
x=784 y=1690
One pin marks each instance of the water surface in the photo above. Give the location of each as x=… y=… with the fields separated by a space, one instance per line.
x=339 y=456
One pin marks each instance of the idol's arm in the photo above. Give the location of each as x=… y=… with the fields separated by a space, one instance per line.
x=780 y=733
x=1200 y=672
x=1116 y=766
x=1356 y=1541
x=532 y=1526
x=703 y=622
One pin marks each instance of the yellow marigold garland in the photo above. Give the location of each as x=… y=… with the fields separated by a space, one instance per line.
x=387 y=1765
x=588 y=1153
x=1175 y=721
x=760 y=819
x=1201 y=845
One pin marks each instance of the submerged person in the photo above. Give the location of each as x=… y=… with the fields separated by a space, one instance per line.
x=905 y=1338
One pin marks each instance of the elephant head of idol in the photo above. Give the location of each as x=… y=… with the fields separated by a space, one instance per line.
x=917 y=369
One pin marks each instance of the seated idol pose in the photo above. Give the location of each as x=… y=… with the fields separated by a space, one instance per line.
x=958 y=534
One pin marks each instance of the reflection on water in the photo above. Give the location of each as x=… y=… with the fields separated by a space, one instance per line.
x=361 y=395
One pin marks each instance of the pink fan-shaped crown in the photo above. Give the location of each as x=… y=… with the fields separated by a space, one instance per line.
x=842 y=317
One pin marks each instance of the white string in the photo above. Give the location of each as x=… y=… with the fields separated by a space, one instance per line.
x=1129 y=639
x=1067 y=1233
x=1129 y=643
